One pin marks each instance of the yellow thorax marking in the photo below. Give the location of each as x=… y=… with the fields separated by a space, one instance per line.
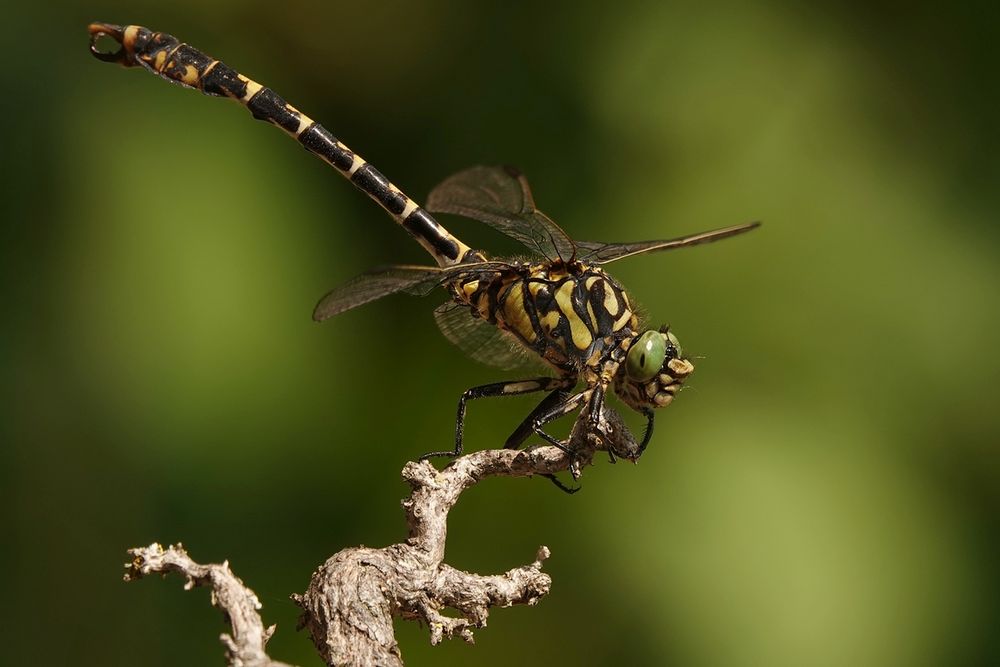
x=549 y=321
x=626 y=318
x=577 y=327
x=610 y=300
x=514 y=313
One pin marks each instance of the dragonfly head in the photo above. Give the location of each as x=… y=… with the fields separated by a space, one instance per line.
x=653 y=370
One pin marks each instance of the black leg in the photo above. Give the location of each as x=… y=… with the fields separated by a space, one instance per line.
x=562 y=487
x=495 y=389
x=554 y=406
x=555 y=412
x=595 y=407
x=526 y=427
x=647 y=436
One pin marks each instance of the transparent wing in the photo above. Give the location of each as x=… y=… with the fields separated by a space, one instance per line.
x=501 y=198
x=602 y=253
x=386 y=280
x=479 y=339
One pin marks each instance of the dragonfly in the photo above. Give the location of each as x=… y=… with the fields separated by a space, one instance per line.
x=559 y=307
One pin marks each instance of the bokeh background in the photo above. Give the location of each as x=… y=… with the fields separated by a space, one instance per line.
x=824 y=493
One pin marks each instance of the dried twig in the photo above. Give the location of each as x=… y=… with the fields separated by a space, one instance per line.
x=351 y=600
x=245 y=646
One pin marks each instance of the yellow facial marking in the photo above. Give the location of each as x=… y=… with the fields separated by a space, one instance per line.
x=680 y=367
x=663 y=399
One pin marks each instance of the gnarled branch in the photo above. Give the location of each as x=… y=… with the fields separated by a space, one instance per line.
x=245 y=646
x=352 y=598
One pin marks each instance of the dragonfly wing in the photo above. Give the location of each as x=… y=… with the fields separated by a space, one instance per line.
x=479 y=339
x=376 y=284
x=386 y=280
x=603 y=253
x=501 y=198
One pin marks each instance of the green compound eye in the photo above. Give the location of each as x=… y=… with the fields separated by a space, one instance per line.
x=646 y=356
x=672 y=339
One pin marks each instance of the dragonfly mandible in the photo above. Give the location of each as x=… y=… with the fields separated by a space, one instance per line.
x=561 y=307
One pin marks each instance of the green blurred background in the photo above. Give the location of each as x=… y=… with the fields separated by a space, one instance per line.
x=825 y=493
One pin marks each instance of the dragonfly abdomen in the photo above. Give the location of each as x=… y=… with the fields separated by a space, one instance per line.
x=171 y=59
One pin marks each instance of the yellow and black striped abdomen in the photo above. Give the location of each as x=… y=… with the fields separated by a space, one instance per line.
x=171 y=59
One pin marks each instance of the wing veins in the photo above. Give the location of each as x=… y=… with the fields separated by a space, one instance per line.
x=604 y=253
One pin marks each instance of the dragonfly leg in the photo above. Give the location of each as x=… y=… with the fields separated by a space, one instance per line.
x=526 y=428
x=494 y=389
x=559 y=485
x=647 y=436
x=595 y=407
x=555 y=412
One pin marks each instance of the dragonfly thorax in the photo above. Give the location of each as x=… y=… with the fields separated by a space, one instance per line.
x=571 y=316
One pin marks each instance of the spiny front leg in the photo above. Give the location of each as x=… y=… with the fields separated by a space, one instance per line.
x=648 y=435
